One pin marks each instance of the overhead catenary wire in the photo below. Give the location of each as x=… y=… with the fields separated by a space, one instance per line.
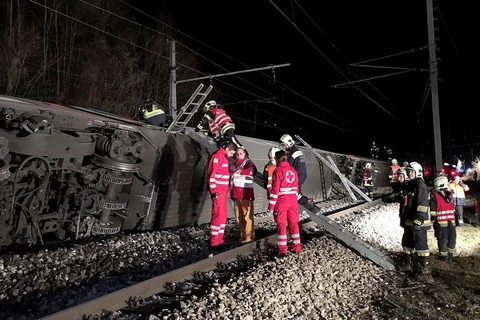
x=446 y=29
x=233 y=59
x=333 y=64
x=371 y=78
x=238 y=88
x=390 y=55
x=190 y=68
x=341 y=53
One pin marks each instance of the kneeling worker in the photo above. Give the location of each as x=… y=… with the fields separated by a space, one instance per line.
x=153 y=113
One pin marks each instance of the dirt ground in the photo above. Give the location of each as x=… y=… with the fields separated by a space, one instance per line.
x=454 y=292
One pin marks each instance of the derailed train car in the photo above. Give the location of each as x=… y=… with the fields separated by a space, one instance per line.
x=69 y=172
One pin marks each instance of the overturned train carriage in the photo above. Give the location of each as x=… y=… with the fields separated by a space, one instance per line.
x=69 y=172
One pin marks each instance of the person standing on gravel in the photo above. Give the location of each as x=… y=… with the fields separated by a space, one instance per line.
x=442 y=212
x=219 y=179
x=417 y=222
x=243 y=171
x=458 y=188
x=283 y=203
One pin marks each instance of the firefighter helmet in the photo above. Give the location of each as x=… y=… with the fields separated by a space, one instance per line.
x=209 y=104
x=272 y=151
x=440 y=183
x=368 y=165
x=286 y=141
x=415 y=166
x=394 y=162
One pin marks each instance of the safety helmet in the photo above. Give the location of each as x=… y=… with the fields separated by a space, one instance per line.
x=272 y=151
x=209 y=104
x=373 y=143
x=405 y=163
x=394 y=162
x=402 y=171
x=415 y=166
x=286 y=140
x=368 y=165
x=440 y=183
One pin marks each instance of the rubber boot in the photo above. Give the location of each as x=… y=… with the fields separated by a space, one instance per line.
x=450 y=257
x=425 y=269
x=406 y=264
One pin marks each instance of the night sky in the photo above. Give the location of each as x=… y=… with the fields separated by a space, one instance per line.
x=256 y=34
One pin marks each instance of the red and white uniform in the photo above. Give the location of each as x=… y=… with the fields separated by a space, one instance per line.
x=219 y=177
x=218 y=120
x=283 y=201
x=242 y=186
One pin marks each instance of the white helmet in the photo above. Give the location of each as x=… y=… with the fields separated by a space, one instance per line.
x=286 y=140
x=394 y=162
x=272 y=151
x=440 y=183
x=368 y=165
x=209 y=104
x=415 y=166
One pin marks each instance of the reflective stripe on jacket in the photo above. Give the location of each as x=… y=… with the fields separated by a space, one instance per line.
x=392 y=176
x=297 y=160
x=268 y=176
x=218 y=172
x=242 y=182
x=441 y=207
x=284 y=186
x=217 y=119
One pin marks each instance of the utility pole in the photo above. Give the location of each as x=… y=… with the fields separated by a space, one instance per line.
x=173 y=81
x=434 y=81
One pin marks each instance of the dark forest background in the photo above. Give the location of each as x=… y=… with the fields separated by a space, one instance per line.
x=49 y=57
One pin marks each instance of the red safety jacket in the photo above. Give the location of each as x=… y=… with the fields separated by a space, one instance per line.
x=284 y=187
x=218 y=172
x=443 y=210
x=392 y=176
x=219 y=120
x=367 y=177
x=242 y=182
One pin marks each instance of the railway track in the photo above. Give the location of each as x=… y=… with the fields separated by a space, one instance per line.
x=118 y=300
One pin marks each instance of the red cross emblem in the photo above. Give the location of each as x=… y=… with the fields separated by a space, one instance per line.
x=290 y=177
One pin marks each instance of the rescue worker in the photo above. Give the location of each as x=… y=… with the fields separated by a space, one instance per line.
x=268 y=170
x=416 y=220
x=389 y=152
x=283 y=203
x=297 y=160
x=442 y=213
x=393 y=176
x=368 y=182
x=219 y=178
x=220 y=124
x=374 y=150
x=153 y=113
x=458 y=188
x=243 y=171
x=399 y=197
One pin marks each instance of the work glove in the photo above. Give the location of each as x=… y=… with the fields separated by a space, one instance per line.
x=215 y=195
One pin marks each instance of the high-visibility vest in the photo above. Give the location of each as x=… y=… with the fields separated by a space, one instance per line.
x=156 y=110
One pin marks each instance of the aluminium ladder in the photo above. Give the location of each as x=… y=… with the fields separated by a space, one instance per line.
x=189 y=109
x=335 y=169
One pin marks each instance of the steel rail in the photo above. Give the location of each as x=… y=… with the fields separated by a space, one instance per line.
x=117 y=300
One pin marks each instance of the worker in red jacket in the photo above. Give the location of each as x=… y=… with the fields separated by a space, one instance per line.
x=243 y=171
x=220 y=124
x=283 y=203
x=219 y=179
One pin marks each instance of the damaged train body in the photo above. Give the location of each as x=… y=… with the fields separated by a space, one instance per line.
x=69 y=172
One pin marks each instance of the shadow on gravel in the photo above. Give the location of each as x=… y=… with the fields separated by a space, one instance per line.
x=453 y=294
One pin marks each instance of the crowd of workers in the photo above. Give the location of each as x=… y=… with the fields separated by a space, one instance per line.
x=231 y=172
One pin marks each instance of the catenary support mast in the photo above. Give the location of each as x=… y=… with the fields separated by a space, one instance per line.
x=434 y=81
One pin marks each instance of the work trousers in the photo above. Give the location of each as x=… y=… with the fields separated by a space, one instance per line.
x=158 y=120
x=459 y=210
x=415 y=242
x=301 y=199
x=244 y=215
x=219 y=218
x=229 y=136
x=446 y=238
x=287 y=214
